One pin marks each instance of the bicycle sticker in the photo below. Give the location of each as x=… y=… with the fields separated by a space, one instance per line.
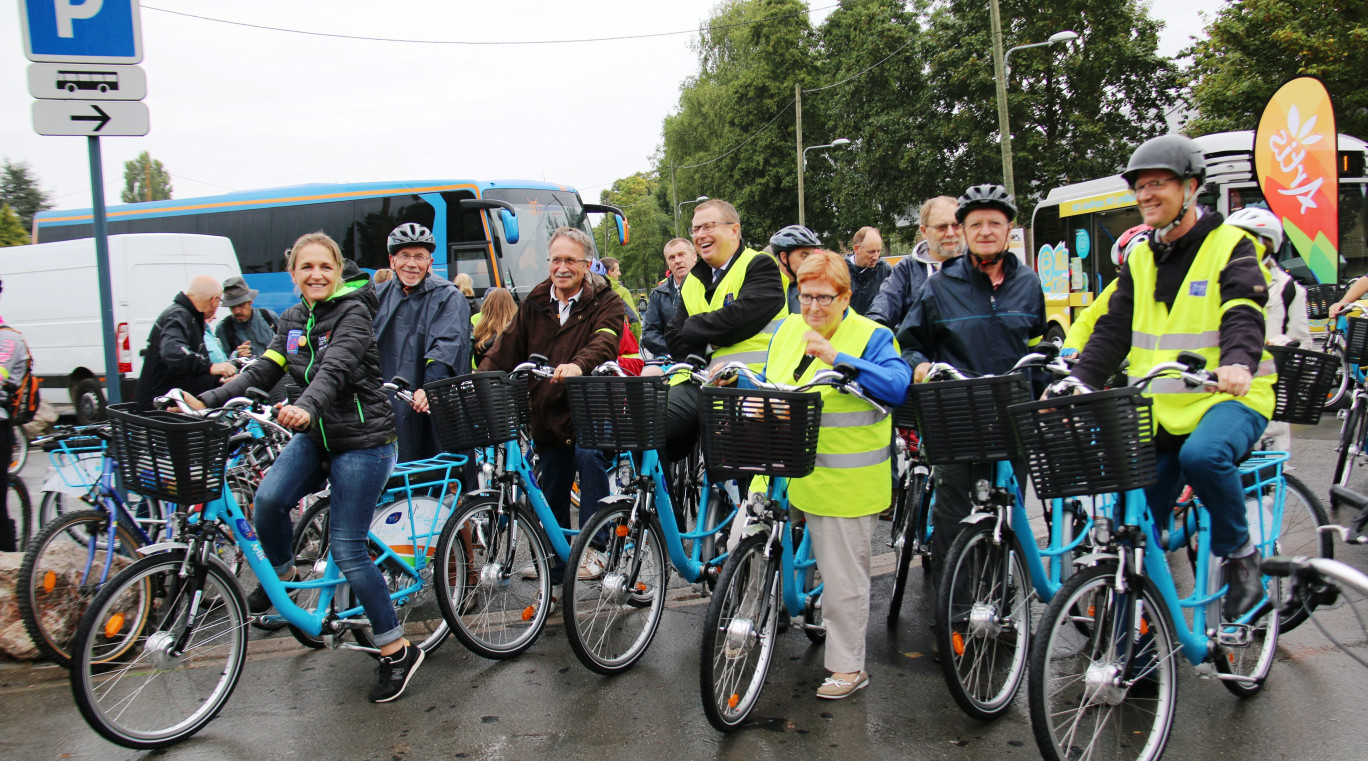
x=245 y=529
x=293 y=341
x=393 y=518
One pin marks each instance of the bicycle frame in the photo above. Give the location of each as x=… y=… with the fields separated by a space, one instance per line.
x=691 y=566
x=794 y=562
x=517 y=464
x=226 y=510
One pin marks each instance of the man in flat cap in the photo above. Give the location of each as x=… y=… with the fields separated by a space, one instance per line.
x=249 y=331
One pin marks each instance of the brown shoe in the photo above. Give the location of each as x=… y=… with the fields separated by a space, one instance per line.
x=839 y=686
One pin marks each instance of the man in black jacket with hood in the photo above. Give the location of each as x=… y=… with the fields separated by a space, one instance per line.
x=175 y=356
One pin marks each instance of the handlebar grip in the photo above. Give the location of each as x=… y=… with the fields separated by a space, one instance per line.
x=1280 y=566
x=696 y=361
x=1349 y=497
x=538 y=359
x=1195 y=362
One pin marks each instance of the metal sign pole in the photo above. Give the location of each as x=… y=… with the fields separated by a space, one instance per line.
x=113 y=392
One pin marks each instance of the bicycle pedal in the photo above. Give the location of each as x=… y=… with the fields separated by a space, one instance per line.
x=374 y=652
x=1234 y=635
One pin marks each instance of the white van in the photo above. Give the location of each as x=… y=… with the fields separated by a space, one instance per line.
x=52 y=295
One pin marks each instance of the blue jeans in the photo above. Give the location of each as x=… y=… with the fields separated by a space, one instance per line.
x=1207 y=461
x=358 y=478
x=558 y=475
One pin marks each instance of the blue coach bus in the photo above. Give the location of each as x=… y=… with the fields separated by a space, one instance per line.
x=495 y=231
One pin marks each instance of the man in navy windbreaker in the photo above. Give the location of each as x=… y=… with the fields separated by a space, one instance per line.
x=423 y=330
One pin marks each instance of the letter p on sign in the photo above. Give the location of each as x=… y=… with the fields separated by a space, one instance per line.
x=66 y=13
x=82 y=31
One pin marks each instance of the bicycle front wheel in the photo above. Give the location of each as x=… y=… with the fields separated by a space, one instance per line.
x=1343 y=377
x=983 y=619
x=62 y=570
x=738 y=634
x=1351 y=445
x=132 y=681
x=493 y=577
x=610 y=620
x=909 y=516
x=18 y=505
x=1103 y=681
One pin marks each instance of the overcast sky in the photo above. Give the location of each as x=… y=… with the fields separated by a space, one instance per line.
x=235 y=108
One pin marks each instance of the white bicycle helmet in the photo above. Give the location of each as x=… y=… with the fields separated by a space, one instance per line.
x=411 y=234
x=1260 y=223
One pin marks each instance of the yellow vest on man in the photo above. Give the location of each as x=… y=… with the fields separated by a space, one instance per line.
x=1158 y=335
x=854 y=456
x=750 y=351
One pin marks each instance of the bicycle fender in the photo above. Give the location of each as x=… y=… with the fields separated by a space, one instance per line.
x=480 y=493
x=974 y=518
x=617 y=500
x=162 y=547
x=1094 y=557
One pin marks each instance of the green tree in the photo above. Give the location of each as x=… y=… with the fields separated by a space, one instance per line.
x=733 y=135
x=145 y=179
x=19 y=189
x=12 y=232
x=1254 y=46
x=642 y=258
x=1075 y=112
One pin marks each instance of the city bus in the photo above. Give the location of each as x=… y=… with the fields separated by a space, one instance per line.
x=1073 y=228
x=495 y=231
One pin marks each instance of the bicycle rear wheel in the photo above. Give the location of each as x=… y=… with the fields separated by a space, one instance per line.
x=1343 y=378
x=983 y=619
x=738 y=635
x=1351 y=445
x=1103 y=685
x=493 y=577
x=62 y=570
x=19 y=453
x=310 y=547
x=1302 y=517
x=130 y=681
x=909 y=517
x=611 y=620
x=19 y=504
x=420 y=616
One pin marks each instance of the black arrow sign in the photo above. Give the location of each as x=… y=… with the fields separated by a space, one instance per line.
x=103 y=118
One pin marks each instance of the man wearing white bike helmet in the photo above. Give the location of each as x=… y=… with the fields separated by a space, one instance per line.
x=1082 y=327
x=1195 y=285
x=422 y=327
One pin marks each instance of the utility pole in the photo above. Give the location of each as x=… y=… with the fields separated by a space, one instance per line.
x=147 y=179
x=1000 y=75
x=798 y=109
x=674 y=198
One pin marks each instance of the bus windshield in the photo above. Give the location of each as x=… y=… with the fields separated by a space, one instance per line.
x=540 y=212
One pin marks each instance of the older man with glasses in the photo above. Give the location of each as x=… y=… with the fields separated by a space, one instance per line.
x=422 y=328
x=942 y=240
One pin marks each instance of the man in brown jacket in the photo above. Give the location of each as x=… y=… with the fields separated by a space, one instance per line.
x=574 y=319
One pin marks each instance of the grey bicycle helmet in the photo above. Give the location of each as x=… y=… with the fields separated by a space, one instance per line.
x=1177 y=154
x=986 y=197
x=411 y=234
x=794 y=236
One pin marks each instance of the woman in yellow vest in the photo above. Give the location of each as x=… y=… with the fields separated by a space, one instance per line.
x=851 y=484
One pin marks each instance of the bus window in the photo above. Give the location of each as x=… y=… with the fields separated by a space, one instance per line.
x=540 y=212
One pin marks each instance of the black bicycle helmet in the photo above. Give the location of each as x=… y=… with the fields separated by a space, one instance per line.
x=1178 y=154
x=986 y=197
x=794 y=236
x=411 y=234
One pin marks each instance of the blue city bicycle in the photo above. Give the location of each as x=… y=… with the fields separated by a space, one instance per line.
x=160 y=649
x=1103 y=664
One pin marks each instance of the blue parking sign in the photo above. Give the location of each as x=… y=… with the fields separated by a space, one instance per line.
x=93 y=31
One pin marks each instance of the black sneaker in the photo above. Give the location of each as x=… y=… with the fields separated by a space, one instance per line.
x=1244 y=584
x=258 y=603
x=395 y=672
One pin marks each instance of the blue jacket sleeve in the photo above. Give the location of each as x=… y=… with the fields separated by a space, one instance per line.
x=882 y=373
x=887 y=309
x=915 y=334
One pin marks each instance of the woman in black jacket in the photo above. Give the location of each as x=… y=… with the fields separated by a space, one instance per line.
x=327 y=345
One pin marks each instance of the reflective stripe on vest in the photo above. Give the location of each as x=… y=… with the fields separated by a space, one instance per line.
x=854 y=456
x=1158 y=335
x=752 y=350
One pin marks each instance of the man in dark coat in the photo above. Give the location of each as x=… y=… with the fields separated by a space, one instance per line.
x=175 y=356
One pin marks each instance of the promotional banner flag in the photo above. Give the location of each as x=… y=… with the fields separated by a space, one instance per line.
x=1295 y=159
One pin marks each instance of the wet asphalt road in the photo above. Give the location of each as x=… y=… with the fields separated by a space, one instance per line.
x=293 y=703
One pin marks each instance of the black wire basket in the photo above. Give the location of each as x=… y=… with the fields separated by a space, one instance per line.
x=749 y=432
x=1356 y=340
x=1319 y=298
x=967 y=420
x=473 y=411
x=1304 y=380
x=618 y=413
x=521 y=397
x=1100 y=443
x=174 y=458
x=905 y=414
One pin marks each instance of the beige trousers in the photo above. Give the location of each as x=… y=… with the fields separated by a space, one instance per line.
x=841 y=547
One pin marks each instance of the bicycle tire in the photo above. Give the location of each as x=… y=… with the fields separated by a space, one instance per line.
x=19 y=499
x=19 y=452
x=814 y=624
x=1065 y=653
x=611 y=620
x=54 y=505
x=908 y=515
x=1335 y=396
x=1303 y=515
x=46 y=594
x=983 y=648
x=1352 y=439
x=128 y=698
x=310 y=545
x=1255 y=659
x=420 y=616
x=488 y=604
x=738 y=635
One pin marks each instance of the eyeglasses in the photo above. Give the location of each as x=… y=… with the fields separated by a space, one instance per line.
x=410 y=257
x=942 y=229
x=707 y=227
x=560 y=261
x=822 y=299
x=1154 y=185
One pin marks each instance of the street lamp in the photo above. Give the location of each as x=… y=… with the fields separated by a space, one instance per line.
x=680 y=205
x=1000 y=74
x=839 y=142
